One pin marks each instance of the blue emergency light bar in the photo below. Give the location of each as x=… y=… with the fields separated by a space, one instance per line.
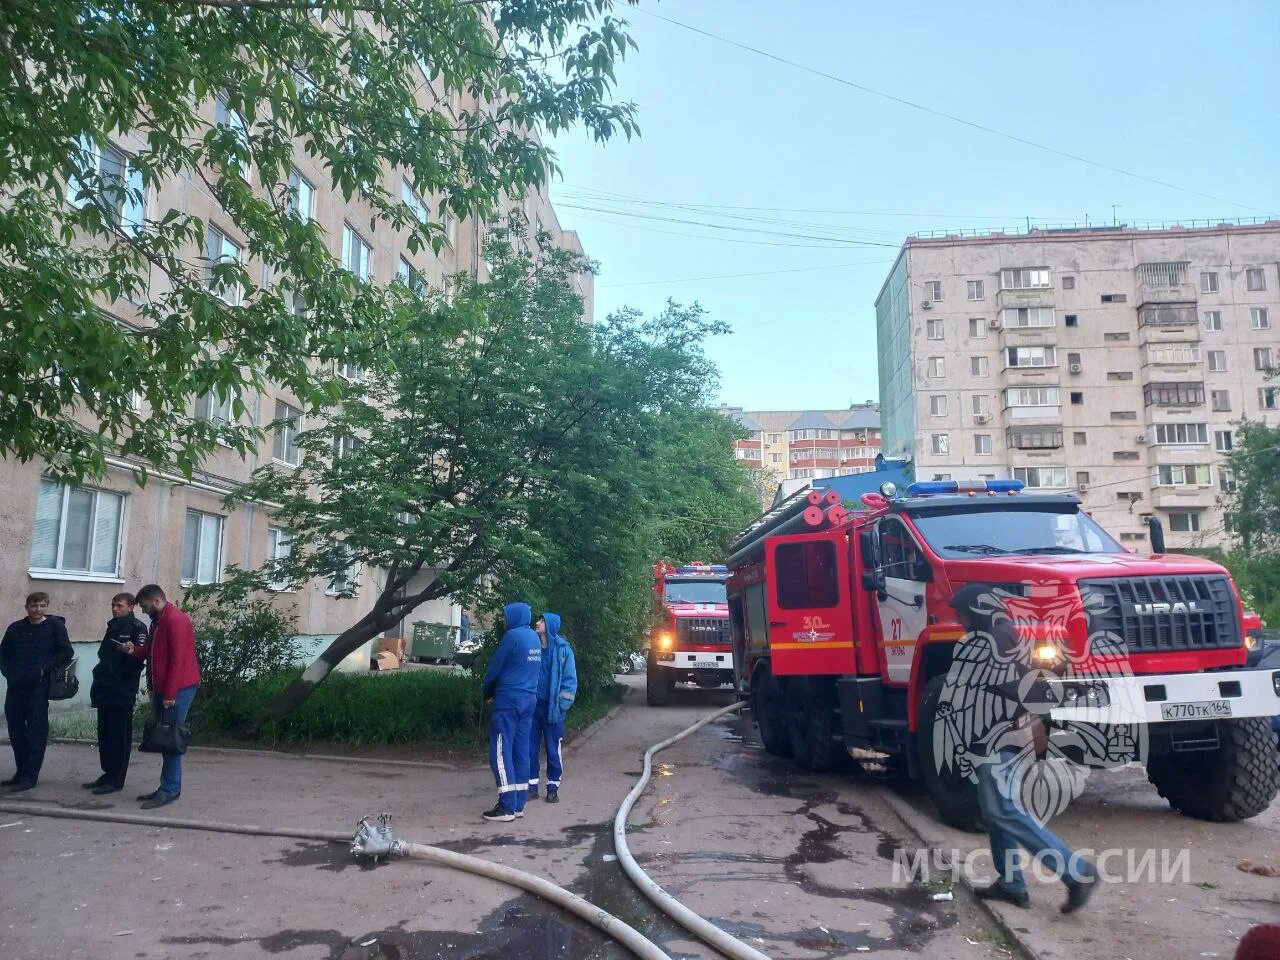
x=925 y=488
x=708 y=568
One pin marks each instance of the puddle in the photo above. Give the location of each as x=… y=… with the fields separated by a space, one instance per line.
x=329 y=857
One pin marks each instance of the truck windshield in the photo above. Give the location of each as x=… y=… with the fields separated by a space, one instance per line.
x=696 y=591
x=982 y=533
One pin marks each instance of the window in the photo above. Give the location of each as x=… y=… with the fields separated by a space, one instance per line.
x=1183 y=475
x=1208 y=283
x=1132 y=537
x=301 y=197
x=344 y=581
x=1124 y=455
x=981 y=405
x=1173 y=394
x=1124 y=415
x=940 y=444
x=214 y=407
x=1027 y=317
x=975 y=289
x=934 y=328
x=1255 y=279
x=1077 y=397
x=1082 y=478
x=1031 y=356
x=938 y=405
x=344 y=445
x=977 y=328
x=278 y=548
x=1182 y=353
x=1032 y=397
x=1131 y=496
x=1115 y=298
x=1115 y=337
x=1119 y=374
x=933 y=289
x=77 y=531
x=1068 y=283
x=1217 y=361
x=202 y=548
x=775 y=458
x=122 y=191
x=978 y=366
x=225 y=116
x=1041 y=477
x=937 y=367
x=1184 y=522
x=1182 y=433
x=1079 y=438
x=808 y=575
x=1222 y=441
x=350 y=371
x=1041 y=439
x=411 y=278
x=775 y=438
x=355 y=253
x=1073 y=362
x=284 y=447
x=900 y=555
x=1025 y=278
x=1269 y=398
x=1259 y=319
x=1226 y=481
x=1220 y=400
x=219 y=248
x=1262 y=358
x=411 y=200
x=982 y=444
x=1071 y=320
x=1213 y=319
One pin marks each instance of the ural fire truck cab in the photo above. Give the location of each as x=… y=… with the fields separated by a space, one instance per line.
x=844 y=637
x=690 y=639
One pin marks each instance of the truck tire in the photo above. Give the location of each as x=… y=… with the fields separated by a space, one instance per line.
x=1235 y=782
x=954 y=795
x=813 y=726
x=658 y=685
x=769 y=709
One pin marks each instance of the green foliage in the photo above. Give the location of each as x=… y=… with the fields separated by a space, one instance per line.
x=239 y=636
x=1253 y=507
x=112 y=287
x=1258 y=579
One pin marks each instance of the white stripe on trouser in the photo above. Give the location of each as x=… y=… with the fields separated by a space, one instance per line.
x=560 y=757
x=533 y=783
x=503 y=785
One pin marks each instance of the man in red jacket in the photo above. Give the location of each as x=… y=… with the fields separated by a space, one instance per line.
x=172 y=677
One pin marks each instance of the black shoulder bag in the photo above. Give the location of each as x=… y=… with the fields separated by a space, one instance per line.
x=63 y=682
x=165 y=736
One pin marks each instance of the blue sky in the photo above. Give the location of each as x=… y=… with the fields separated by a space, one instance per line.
x=1180 y=92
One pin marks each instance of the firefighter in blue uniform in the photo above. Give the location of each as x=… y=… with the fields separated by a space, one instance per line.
x=557 y=686
x=510 y=684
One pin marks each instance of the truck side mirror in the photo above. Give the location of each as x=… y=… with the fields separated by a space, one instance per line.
x=869 y=547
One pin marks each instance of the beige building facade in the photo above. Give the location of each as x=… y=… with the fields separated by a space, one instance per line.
x=1112 y=363
x=84 y=544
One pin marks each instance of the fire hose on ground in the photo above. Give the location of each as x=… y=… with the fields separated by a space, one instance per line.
x=374 y=838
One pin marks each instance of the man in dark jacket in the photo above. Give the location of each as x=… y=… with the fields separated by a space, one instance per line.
x=173 y=674
x=32 y=648
x=511 y=685
x=115 y=692
x=557 y=687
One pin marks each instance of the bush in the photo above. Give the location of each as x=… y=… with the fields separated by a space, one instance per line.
x=240 y=635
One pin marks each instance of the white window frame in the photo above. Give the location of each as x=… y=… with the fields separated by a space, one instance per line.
x=1269 y=398
x=981 y=405
x=284 y=438
x=1252 y=273
x=979 y=367
x=1208 y=281
x=1028 y=318
x=1042 y=482
x=355 y=252
x=938 y=405
x=934 y=330
x=1262 y=358
x=351 y=372
x=227 y=116
x=220 y=248
x=1180 y=434
x=1213 y=320
x=219 y=524
x=975 y=287
x=1025 y=278
x=1213 y=401
x=934 y=290
x=128 y=213
x=937 y=367
x=1223 y=441
x=1052 y=396
x=337 y=585
x=1217 y=361
x=939 y=444
x=279 y=546
x=982 y=445
x=344 y=445
x=1193 y=521
x=978 y=328
x=1037 y=356
x=409 y=197
x=1177 y=474
x=59 y=570
x=302 y=196
x=1259 y=318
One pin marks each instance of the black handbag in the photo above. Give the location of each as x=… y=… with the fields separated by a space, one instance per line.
x=63 y=682
x=165 y=736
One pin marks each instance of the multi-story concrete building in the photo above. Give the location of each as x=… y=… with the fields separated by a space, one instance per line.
x=1109 y=362
x=803 y=444
x=84 y=544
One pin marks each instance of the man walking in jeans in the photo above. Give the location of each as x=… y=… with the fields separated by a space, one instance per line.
x=172 y=676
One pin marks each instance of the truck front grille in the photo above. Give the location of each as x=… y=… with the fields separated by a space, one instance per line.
x=1164 y=614
x=703 y=629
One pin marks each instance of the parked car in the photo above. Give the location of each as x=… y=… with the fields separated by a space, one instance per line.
x=631 y=663
x=464 y=653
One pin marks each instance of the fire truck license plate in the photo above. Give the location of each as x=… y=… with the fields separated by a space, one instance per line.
x=1199 y=710
x=705 y=665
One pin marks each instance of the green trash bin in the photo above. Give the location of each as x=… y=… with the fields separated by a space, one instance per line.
x=433 y=642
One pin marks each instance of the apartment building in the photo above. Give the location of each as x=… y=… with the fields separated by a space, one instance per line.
x=803 y=444
x=1109 y=362
x=84 y=544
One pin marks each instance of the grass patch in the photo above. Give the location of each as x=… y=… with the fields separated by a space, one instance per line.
x=81 y=725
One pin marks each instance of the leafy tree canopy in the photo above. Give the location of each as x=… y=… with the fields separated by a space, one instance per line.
x=1252 y=507
x=216 y=96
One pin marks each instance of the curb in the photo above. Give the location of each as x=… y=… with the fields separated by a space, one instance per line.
x=595 y=726
x=924 y=832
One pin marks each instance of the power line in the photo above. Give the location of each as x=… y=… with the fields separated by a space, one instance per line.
x=944 y=115
x=701 y=236
x=737 y=276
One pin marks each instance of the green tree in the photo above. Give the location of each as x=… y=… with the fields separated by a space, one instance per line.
x=491 y=410
x=220 y=94
x=1252 y=508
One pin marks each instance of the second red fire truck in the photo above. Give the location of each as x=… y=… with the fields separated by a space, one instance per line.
x=689 y=642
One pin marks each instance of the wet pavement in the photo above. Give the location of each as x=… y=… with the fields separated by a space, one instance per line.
x=798 y=865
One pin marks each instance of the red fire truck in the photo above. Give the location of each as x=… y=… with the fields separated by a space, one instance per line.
x=690 y=639
x=843 y=637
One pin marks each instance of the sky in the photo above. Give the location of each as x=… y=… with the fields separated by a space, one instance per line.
x=778 y=199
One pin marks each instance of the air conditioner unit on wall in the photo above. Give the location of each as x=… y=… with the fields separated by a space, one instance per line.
x=1075 y=367
x=982 y=418
x=1082 y=487
x=994 y=323
x=1141 y=438
x=926 y=304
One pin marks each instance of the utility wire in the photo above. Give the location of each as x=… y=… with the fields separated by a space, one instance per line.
x=737 y=276
x=944 y=115
x=703 y=236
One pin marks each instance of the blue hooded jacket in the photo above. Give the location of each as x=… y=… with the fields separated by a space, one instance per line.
x=563 y=671
x=513 y=672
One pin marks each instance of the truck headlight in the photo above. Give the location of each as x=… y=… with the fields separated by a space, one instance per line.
x=1275 y=682
x=1250 y=642
x=1046 y=654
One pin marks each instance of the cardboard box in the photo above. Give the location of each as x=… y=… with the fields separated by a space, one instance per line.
x=385 y=660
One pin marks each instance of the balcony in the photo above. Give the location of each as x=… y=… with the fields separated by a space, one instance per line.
x=1035 y=414
x=1172 y=358
x=1165 y=283
x=1184 y=393
x=1158 y=317
x=1034 y=439
x=1183 y=498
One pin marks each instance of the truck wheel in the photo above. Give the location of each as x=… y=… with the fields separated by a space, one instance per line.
x=768 y=708
x=813 y=725
x=1235 y=782
x=954 y=795
x=658 y=684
